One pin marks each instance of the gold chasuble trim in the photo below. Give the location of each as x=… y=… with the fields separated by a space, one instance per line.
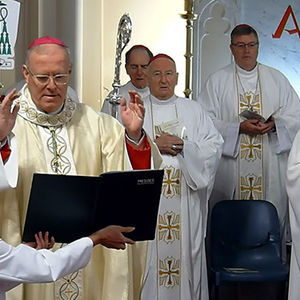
x=69 y=288
x=57 y=146
x=29 y=112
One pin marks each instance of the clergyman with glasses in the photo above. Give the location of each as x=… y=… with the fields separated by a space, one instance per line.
x=57 y=135
x=71 y=93
x=257 y=112
x=191 y=148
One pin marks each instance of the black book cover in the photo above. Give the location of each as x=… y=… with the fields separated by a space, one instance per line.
x=71 y=207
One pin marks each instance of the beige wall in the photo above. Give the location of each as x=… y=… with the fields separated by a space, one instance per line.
x=90 y=57
x=155 y=23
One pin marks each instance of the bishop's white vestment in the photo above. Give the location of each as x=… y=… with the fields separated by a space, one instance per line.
x=266 y=91
x=76 y=140
x=176 y=263
x=123 y=91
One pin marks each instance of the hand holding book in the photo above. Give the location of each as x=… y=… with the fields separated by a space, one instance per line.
x=256 y=124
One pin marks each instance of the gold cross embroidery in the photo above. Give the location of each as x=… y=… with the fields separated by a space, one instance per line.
x=168 y=227
x=247 y=103
x=169 y=272
x=250 y=101
x=251 y=147
x=252 y=186
x=171 y=182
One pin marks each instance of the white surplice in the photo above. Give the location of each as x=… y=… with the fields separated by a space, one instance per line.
x=293 y=190
x=23 y=264
x=123 y=91
x=176 y=263
x=278 y=98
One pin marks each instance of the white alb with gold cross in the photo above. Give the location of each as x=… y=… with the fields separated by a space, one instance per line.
x=168 y=235
x=176 y=263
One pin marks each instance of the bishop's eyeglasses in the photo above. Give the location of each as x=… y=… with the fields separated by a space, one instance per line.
x=250 y=45
x=41 y=79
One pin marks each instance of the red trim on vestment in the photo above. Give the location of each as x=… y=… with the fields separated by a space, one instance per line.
x=139 y=158
x=5 y=152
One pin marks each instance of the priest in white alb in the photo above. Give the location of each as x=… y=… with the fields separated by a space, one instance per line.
x=257 y=112
x=191 y=148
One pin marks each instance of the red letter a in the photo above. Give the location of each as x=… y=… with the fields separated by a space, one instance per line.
x=282 y=24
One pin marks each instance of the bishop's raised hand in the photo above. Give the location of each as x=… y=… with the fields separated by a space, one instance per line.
x=7 y=114
x=133 y=115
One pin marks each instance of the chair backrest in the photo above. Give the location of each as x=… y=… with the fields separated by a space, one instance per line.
x=244 y=233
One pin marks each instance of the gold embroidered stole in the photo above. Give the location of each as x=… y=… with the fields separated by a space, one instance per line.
x=168 y=235
x=250 y=160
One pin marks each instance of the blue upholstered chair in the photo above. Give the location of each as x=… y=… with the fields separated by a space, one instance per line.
x=245 y=243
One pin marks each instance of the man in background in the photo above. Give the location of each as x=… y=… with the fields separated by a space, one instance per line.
x=136 y=62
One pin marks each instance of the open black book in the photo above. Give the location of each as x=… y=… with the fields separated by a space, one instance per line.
x=71 y=207
x=250 y=114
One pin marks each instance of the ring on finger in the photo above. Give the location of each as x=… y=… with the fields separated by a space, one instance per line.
x=174 y=147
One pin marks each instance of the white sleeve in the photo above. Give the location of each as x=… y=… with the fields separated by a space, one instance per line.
x=23 y=264
x=212 y=96
x=200 y=156
x=231 y=137
x=280 y=140
x=286 y=116
x=293 y=190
